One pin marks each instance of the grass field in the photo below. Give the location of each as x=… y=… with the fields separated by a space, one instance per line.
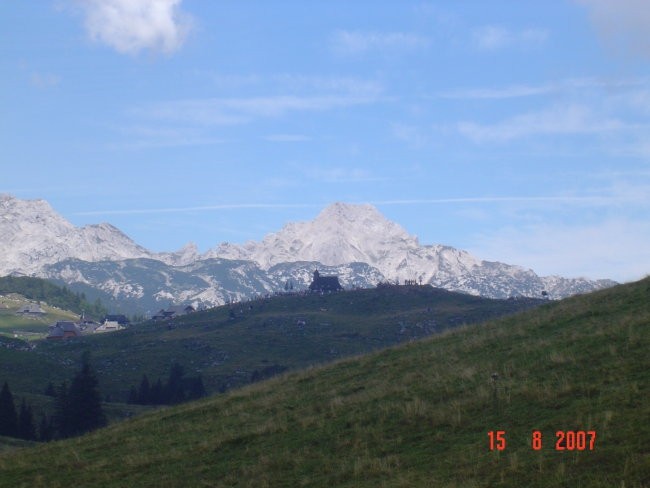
x=28 y=327
x=413 y=415
x=227 y=345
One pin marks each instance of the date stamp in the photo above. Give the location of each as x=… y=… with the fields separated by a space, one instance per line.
x=565 y=440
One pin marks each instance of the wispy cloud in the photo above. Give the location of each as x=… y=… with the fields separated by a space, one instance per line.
x=335 y=175
x=326 y=84
x=338 y=175
x=203 y=208
x=412 y=135
x=286 y=138
x=571 y=119
x=513 y=91
x=341 y=174
x=611 y=248
x=298 y=83
x=130 y=26
x=232 y=111
x=44 y=80
x=492 y=38
x=526 y=90
x=145 y=137
x=577 y=200
x=358 y=42
x=623 y=25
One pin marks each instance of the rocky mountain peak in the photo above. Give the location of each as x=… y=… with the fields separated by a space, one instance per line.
x=33 y=234
x=354 y=241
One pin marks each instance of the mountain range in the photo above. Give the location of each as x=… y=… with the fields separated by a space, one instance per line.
x=355 y=242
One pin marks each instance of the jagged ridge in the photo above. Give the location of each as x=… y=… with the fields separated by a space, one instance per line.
x=354 y=241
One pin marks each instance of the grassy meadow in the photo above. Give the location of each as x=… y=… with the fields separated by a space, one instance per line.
x=228 y=344
x=28 y=328
x=417 y=414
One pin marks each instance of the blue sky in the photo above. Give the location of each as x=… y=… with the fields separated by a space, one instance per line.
x=515 y=130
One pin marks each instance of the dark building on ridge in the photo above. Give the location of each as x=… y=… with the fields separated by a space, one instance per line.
x=325 y=283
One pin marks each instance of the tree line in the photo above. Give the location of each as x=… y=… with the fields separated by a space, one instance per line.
x=57 y=296
x=77 y=409
x=13 y=424
x=177 y=389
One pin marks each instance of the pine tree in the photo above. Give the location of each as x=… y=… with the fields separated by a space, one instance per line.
x=50 y=391
x=133 y=396
x=62 y=421
x=46 y=429
x=157 y=394
x=85 y=400
x=26 y=428
x=144 y=394
x=195 y=387
x=8 y=417
x=174 y=389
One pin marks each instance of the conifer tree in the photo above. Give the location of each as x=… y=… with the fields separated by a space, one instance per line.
x=62 y=421
x=174 y=389
x=46 y=429
x=133 y=396
x=26 y=428
x=50 y=391
x=195 y=387
x=144 y=393
x=85 y=400
x=157 y=396
x=8 y=417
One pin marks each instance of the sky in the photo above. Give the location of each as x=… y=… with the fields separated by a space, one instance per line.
x=518 y=131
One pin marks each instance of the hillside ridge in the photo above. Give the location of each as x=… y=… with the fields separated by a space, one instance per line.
x=354 y=241
x=413 y=415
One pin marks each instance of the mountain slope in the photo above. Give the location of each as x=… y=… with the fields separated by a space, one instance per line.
x=28 y=327
x=416 y=415
x=355 y=241
x=231 y=345
x=345 y=233
x=33 y=235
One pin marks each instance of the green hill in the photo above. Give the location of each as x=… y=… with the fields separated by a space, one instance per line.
x=413 y=415
x=26 y=326
x=232 y=345
x=37 y=289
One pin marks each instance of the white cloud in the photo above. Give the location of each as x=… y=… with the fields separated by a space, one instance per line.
x=570 y=119
x=410 y=134
x=204 y=208
x=44 y=80
x=623 y=25
x=287 y=138
x=143 y=137
x=355 y=42
x=570 y=85
x=327 y=84
x=492 y=38
x=338 y=174
x=513 y=91
x=130 y=26
x=298 y=83
x=231 y=111
x=612 y=248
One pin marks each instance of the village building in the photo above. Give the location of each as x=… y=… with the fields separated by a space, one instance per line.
x=173 y=311
x=31 y=310
x=119 y=318
x=108 y=326
x=63 y=330
x=324 y=284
